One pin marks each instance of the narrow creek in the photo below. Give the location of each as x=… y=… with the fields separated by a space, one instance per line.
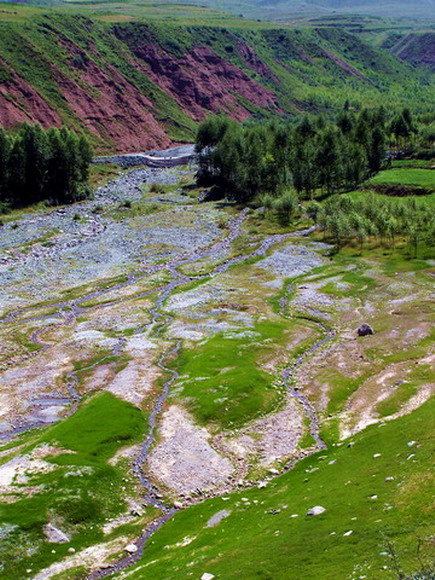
x=289 y=372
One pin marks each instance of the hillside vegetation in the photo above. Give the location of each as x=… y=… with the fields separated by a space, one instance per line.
x=137 y=85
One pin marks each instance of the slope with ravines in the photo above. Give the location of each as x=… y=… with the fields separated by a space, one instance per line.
x=416 y=48
x=137 y=85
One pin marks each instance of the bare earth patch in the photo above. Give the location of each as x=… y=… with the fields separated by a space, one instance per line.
x=275 y=437
x=184 y=460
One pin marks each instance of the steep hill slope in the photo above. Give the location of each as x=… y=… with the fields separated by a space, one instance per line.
x=136 y=85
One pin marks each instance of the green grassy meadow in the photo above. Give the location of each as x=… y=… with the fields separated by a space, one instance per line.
x=406 y=176
x=222 y=382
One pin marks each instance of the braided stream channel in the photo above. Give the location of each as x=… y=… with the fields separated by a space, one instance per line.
x=68 y=311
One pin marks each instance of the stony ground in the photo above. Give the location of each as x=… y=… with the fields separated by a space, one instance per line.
x=103 y=295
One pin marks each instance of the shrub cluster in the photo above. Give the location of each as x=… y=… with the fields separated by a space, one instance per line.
x=38 y=165
x=372 y=216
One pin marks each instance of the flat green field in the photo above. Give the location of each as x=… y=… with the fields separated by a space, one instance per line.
x=231 y=393
x=409 y=176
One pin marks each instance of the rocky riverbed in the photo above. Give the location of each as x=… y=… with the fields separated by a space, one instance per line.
x=121 y=293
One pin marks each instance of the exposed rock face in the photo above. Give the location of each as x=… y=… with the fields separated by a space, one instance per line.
x=20 y=102
x=115 y=104
x=55 y=536
x=418 y=49
x=365 y=330
x=255 y=63
x=202 y=81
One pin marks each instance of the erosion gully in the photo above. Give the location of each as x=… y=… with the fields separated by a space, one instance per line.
x=69 y=310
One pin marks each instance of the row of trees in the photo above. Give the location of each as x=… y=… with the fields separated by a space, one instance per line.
x=375 y=217
x=315 y=155
x=37 y=165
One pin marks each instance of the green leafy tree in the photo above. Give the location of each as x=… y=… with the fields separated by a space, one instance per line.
x=4 y=164
x=285 y=207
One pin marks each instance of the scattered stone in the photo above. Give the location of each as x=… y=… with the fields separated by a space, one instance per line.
x=131 y=548
x=137 y=510
x=217 y=518
x=207 y=576
x=294 y=516
x=316 y=511
x=262 y=484
x=273 y=471
x=71 y=550
x=411 y=443
x=178 y=505
x=332 y=462
x=374 y=497
x=389 y=479
x=376 y=455
x=365 y=330
x=54 y=535
x=348 y=533
x=410 y=456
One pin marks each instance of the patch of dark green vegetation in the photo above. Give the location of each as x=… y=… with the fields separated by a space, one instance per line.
x=37 y=165
x=315 y=156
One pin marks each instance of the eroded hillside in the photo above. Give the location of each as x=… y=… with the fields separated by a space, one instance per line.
x=136 y=86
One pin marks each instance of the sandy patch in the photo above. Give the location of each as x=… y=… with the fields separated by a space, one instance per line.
x=274 y=437
x=91 y=558
x=133 y=383
x=184 y=460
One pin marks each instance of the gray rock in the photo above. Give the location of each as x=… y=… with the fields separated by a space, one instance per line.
x=316 y=511
x=365 y=330
x=55 y=536
x=217 y=518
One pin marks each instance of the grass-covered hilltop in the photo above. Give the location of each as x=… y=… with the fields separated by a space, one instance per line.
x=217 y=351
